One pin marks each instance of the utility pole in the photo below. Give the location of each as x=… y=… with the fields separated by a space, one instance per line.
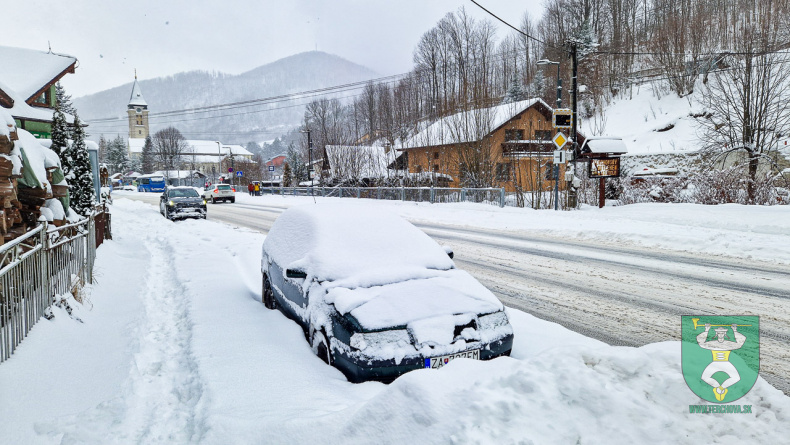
x=572 y=197
x=310 y=159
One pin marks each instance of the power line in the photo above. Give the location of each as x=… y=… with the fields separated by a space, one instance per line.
x=511 y=26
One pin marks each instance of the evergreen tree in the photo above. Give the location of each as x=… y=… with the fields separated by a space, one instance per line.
x=102 y=149
x=287 y=176
x=80 y=180
x=117 y=156
x=147 y=162
x=296 y=160
x=515 y=92
x=64 y=100
x=60 y=140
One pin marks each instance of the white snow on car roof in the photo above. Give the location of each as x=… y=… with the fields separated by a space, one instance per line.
x=362 y=247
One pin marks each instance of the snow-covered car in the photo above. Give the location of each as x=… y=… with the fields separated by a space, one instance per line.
x=182 y=202
x=219 y=192
x=375 y=296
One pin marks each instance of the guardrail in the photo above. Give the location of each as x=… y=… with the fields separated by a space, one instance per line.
x=44 y=262
x=493 y=196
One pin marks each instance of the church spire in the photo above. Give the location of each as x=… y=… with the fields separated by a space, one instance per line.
x=136 y=100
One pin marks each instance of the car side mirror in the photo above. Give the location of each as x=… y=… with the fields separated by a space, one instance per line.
x=292 y=273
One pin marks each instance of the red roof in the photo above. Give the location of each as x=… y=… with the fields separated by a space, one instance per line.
x=277 y=162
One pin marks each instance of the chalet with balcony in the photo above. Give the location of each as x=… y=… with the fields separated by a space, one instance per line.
x=508 y=145
x=27 y=86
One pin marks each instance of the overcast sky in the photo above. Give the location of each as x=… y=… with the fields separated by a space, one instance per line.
x=161 y=37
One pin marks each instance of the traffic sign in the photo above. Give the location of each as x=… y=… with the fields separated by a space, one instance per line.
x=230 y=170
x=560 y=157
x=562 y=119
x=271 y=168
x=240 y=173
x=559 y=140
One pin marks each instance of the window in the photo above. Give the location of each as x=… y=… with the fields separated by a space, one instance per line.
x=139 y=120
x=503 y=172
x=436 y=155
x=43 y=100
x=514 y=135
x=139 y=131
x=543 y=135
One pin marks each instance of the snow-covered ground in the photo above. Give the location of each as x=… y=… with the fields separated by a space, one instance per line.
x=174 y=346
x=750 y=232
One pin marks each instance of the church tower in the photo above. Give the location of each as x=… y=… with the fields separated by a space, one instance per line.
x=138 y=113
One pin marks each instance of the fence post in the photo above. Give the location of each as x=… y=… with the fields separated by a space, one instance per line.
x=45 y=281
x=433 y=195
x=378 y=192
x=359 y=192
x=463 y=195
x=323 y=191
x=403 y=193
x=502 y=197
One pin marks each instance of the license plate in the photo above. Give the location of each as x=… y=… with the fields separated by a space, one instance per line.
x=438 y=362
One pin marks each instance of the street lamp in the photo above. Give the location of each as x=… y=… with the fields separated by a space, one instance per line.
x=559 y=81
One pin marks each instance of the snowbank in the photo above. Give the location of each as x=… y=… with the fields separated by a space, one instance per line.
x=168 y=352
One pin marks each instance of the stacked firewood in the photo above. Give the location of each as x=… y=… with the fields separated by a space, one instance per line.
x=20 y=206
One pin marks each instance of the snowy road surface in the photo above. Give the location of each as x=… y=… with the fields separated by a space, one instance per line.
x=175 y=347
x=623 y=294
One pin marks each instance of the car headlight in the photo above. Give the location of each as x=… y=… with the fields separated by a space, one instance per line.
x=204 y=202
x=171 y=203
x=397 y=338
x=492 y=321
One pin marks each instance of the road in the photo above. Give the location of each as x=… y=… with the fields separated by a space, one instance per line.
x=622 y=295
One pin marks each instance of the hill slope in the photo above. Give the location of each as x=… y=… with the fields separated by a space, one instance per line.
x=300 y=72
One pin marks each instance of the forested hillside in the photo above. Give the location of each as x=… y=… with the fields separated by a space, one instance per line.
x=301 y=72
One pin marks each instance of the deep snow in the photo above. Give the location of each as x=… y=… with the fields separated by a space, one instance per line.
x=175 y=347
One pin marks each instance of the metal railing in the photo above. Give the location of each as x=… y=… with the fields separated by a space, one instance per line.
x=44 y=262
x=492 y=196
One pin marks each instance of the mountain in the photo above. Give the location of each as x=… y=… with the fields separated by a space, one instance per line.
x=300 y=72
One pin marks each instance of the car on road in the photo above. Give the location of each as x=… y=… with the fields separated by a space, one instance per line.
x=220 y=192
x=375 y=296
x=182 y=202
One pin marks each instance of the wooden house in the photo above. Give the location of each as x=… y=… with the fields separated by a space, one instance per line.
x=508 y=145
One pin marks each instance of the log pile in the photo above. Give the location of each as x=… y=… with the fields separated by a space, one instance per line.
x=20 y=206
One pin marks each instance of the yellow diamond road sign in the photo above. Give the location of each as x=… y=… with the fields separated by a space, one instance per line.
x=559 y=140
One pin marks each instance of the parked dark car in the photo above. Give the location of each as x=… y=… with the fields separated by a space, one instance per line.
x=182 y=202
x=375 y=296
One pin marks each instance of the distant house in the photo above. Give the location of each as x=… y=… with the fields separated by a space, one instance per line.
x=508 y=145
x=27 y=86
x=360 y=164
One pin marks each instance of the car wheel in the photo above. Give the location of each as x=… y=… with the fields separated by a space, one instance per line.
x=213 y=200
x=320 y=345
x=232 y=200
x=267 y=294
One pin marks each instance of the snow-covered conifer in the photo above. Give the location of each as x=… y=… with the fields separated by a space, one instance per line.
x=81 y=189
x=60 y=140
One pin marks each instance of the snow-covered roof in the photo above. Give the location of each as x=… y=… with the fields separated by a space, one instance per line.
x=210 y=149
x=27 y=71
x=180 y=174
x=469 y=126
x=136 y=99
x=360 y=161
x=22 y=110
x=604 y=144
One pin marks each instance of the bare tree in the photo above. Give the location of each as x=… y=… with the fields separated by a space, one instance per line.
x=747 y=102
x=169 y=146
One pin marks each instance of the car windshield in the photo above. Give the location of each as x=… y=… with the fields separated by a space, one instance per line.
x=223 y=187
x=183 y=193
